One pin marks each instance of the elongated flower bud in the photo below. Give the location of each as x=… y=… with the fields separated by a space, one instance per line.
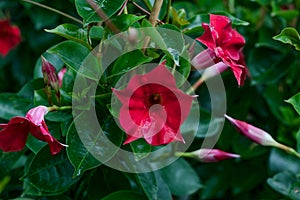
x=253 y=133
x=49 y=73
x=259 y=136
x=209 y=155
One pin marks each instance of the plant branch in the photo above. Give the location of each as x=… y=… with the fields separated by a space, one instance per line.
x=54 y=10
x=155 y=12
x=103 y=16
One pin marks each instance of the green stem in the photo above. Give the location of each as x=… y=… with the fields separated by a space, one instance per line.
x=287 y=149
x=195 y=86
x=54 y=10
x=184 y=154
x=168 y=11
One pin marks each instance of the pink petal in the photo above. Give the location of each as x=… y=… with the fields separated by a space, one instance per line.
x=36 y=115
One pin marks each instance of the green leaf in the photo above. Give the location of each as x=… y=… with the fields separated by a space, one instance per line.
x=79 y=155
x=105 y=7
x=8 y=161
x=286 y=183
x=112 y=180
x=123 y=22
x=77 y=56
x=181 y=178
x=141 y=149
x=71 y=32
x=289 y=36
x=154 y=186
x=124 y=195
x=28 y=89
x=295 y=101
x=12 y=105
x=125 y=62
x=50 y=174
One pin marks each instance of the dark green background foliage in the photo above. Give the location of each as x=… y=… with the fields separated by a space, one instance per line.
x=266 y=100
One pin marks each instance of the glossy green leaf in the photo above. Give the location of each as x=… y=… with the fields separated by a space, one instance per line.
x=141 y=149
x=286 y=183
x=78 y=58
x=79 y=154
x=8 y=161
x=179 y=17
x=295 y=101
x=123 y=22
x=125 y=62
x=124 y=195
x=112 y=181
x=154 y=186
x=106 y=7
x=28 y=89
x=71 y=32
x=289 y=36
x=181 y=178
x=49 y=173
x=12 y=105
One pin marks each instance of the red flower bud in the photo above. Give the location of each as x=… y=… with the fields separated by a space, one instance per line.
x=49 y=73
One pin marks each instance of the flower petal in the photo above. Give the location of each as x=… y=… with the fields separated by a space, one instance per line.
x=14 y=135
x=10 y=37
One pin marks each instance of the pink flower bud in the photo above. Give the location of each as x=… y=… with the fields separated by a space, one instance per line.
x=213 y=155
x=49 y=73
x=204 y=59
x=208 y=155
x=60 y=75
x=255 y=134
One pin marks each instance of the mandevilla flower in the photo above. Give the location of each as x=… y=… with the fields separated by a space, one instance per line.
x=258 y=135
x=224 y=45
x=13 y=136
x=153 y=107
x=208 y=155
x=10 y=36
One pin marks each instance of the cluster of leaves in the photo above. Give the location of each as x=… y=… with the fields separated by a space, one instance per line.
x=76 y=174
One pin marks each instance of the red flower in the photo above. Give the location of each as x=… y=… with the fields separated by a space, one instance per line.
x=10 y=36
x=153 y=107
x=14 y=134
x=225 y=44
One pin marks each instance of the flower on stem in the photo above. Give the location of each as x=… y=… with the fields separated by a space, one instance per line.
x=153 y=107
x=258 y=135
x=13 y=135
x=10 y=36
x=208 y=155
x=224 y=45
x=51 y=79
